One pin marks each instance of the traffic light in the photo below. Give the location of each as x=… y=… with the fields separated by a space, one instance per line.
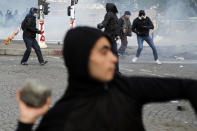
x=46 y=8
x=40 y=2
x=73 y=2
x=45 y=5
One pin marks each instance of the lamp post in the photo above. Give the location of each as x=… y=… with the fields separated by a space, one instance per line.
x=43 y=10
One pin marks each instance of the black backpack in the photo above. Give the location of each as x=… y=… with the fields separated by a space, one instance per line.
x=26 y=22
x=23 y=25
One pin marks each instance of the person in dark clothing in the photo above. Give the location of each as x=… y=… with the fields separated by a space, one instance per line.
x=141 y=26
x=125 y=26
x=96 y=98
x=29 y=37
x=112 y=27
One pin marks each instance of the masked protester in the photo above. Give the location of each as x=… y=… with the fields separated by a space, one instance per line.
x=112 y=27
x=29 y=37
x=125 y=30
x=141 y=26
x=96 y=98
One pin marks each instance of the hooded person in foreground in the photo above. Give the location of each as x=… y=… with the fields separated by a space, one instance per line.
x=96 y=98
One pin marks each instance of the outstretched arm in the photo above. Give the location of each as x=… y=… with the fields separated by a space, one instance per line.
x=106 y=19
x=148 y=90
x=104 y=22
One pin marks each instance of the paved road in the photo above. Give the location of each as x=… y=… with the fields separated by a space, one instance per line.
x=157 y=117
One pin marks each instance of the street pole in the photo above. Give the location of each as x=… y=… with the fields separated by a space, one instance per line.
x=41 y=37
x=72 y=17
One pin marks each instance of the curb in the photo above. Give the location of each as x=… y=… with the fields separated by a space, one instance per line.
x=20 y=52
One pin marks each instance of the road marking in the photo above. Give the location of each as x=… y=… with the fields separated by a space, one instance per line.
x=144 y=70
x=127 y=69
x=54 y=57
x=170 y=62
x=170 y=75
x=151 y=74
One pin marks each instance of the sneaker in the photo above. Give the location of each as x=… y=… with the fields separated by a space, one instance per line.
x=158 y=62
x=43 y=63
x=24 y=63
x=134 y=59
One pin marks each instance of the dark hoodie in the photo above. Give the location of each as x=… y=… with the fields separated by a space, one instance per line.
x=141 y=26
x=110 y=22
x=29 y=24
x=90 y=105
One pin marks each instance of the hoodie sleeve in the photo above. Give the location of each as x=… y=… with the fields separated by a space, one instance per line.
x=146 y=89
x=106 y=20
x=134 y=26
x=150 y=24
x=24 y=127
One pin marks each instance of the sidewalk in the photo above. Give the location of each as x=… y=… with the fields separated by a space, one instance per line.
x=17 y=48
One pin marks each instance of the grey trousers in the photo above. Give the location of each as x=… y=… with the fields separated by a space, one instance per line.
x=124 y=44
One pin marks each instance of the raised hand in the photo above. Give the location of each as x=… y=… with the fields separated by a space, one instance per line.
x=30 y=114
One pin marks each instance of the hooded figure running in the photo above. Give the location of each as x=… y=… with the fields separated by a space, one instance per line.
x=29 y=37
x=112 y=27
x=141 y=26
x=96 y=99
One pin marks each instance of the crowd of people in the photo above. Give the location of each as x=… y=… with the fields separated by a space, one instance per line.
x=98 y=97
x=119 y=28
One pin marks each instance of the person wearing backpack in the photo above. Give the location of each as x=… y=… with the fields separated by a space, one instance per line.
x=125 y=27
x=29 y=37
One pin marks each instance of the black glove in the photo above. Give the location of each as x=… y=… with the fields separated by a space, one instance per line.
x=100 y=26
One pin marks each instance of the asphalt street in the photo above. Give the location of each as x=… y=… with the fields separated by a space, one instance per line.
x=157 y=117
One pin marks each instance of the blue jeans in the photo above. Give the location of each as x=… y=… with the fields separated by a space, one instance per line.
x=140 y=40
x=124 y=44
x=29 y=44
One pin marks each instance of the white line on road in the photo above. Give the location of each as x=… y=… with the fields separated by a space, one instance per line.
x=151 y=74
x=175 y=62
x=127 y=69
x=54 y=57
x=144 y=70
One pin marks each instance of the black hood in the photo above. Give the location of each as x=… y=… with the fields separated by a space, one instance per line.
x=110 y=7
x=142 y=13
x=76 y=51
x=31 y=12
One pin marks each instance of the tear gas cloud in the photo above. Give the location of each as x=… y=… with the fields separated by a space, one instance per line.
x=175 y=24
x=12 y=13
x=178 y=23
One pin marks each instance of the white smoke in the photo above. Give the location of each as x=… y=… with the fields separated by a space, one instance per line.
x=18 y=9
x=175 y=26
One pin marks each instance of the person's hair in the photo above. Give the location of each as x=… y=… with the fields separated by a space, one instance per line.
x=127 y=13
x=142 y=13
x=33 y=10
